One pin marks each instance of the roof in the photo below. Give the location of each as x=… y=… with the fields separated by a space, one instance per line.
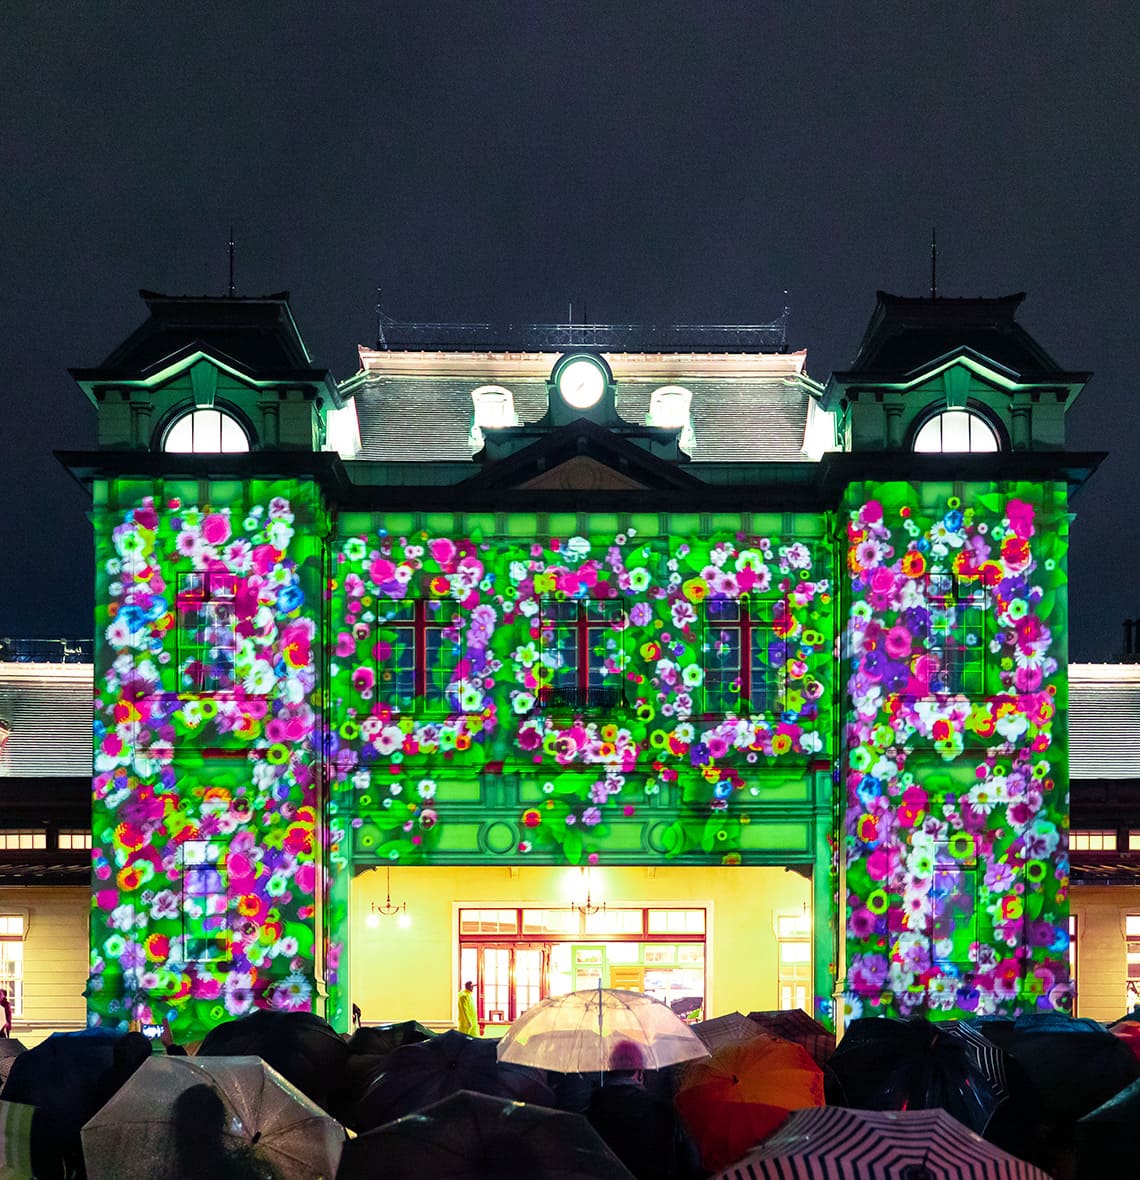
x=905 y=334
x=48 y=712
x=733 y=418
x=1104 y=721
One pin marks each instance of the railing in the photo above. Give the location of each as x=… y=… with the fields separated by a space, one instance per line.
x=771 y=337
x=47 y=651
x=580 y=698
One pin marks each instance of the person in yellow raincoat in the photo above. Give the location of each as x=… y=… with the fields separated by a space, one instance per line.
x=468 y=1020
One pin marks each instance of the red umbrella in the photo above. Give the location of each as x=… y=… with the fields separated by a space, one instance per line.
x=740 y=1095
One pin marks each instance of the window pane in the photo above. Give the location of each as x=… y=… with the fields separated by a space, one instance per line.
x=206 y=432
x=955 y=431
x=1132 y=926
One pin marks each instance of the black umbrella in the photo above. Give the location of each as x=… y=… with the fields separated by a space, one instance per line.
x=383 y=1038
x=884 y=1064
x=367 y=1050
x=63 y=1078
x=414 y=1076
x=476 y=1137
x=303 y=1048
x=1075 y=1064
x=1107 y=1140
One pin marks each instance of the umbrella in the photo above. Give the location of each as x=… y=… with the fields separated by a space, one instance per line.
x=302 y=1047
x=726 y=1030
x=794 y=1024
x=1107 y=1140
x=884 y=1064
x=260 y=1114
x=578 y=1032
x=62 y=1077
x=831 y=1143
x=475 y=1136
x=743 y=1092
x=366 y=1052
x=1075 y=1064
x=16 y=1141
x=383 y=1038
x=10 y=1049
x=1128 y=1030
x=414 y=1076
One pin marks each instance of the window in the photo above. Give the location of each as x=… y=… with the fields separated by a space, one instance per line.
x=74 y=840
x=1134 y=841
x=205 y=922
x=669 y=407
x=1100 y=841
x=953 y=906
x=22 y=839
x=420 y=666
x=742 y=648
x=582 y=654
x=13 y=928
x=1132 y=959
x=207 y=637
x=793 y=944
x=957 y=635
x=494 y=407
x=206 y=432
x=956 y=431
x=1073 y=958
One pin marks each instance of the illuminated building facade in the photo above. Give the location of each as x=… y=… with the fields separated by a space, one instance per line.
x=572 y=653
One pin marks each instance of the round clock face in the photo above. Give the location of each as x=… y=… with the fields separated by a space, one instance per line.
x=581 y=384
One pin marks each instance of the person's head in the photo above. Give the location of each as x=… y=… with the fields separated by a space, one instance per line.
x=627 y=1062
x=469 y=986
x=199 y=1117
x=130 y=1052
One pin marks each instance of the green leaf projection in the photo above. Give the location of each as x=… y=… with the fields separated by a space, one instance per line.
x=583 y=664
x=204 y=830
x=954 y=750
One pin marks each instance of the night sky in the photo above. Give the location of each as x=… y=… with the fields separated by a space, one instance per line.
x=654 y=162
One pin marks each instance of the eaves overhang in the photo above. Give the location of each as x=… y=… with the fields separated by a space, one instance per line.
x=853 y=382
x=172 y=366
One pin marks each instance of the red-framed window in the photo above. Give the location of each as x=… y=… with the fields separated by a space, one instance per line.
x=743 y=649
x=582 y=653
x=419 y=658
x=207 y=631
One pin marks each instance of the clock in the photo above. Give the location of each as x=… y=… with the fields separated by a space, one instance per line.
x=581 y=382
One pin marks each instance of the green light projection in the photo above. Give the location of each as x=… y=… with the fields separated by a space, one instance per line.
x=955 y=758
x=205 y=806
x=631 y=694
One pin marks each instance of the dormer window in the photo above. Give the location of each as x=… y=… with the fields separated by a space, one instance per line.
x=669 y=407
x=494 y=407
x=205 y=432
x=956 y=432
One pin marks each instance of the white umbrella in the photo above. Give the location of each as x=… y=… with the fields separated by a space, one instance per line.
x=133 y=1135
x=579 y=1032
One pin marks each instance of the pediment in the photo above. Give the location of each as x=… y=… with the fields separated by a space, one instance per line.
x=583 y=474
x=584 y=456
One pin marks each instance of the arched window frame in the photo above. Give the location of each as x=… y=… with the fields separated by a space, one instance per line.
x=491 y=402
x=675 y=397
x=973 y=410
x=184 y=412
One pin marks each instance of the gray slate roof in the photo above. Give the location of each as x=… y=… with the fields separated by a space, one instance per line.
x=429 y=418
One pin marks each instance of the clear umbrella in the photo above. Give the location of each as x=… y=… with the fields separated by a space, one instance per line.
x=578 y=1033
x=266 y=1120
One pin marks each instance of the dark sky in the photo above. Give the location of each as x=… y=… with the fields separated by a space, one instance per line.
x=485 y=160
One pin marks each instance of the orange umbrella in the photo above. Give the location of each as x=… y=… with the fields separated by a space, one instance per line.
x=743 y=1093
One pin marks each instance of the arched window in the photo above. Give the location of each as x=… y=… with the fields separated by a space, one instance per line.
x=494 y=406
x=956 y=431
x=669 y=407
x=205 y=432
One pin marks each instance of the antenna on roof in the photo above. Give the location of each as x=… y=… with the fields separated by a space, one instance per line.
x=231 y=254
x=380 y=341
x=934 y=262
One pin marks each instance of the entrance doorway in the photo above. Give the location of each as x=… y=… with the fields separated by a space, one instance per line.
x=517 y=957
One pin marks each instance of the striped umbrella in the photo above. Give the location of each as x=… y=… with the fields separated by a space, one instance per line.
x=833 y=1143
